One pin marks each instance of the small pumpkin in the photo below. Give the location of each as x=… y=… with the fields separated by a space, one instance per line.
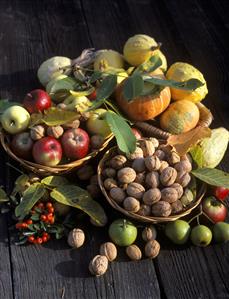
x=143 y=108
x=180 y=117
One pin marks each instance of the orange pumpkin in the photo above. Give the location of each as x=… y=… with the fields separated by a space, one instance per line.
x=180 y=117
x=143 y=107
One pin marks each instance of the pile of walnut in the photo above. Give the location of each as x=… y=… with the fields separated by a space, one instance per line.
x=149 y=182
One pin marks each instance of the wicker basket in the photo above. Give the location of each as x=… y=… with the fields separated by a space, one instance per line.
x=50 y=170
x=150 y=219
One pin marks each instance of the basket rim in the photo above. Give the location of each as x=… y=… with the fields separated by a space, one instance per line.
x=51 y=169
x=151 y=219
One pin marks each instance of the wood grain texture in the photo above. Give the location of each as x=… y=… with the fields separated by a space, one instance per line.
x=191 y=31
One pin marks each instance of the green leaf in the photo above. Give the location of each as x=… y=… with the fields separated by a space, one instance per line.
x=124 y=136
x=107 y=87
x=189 y=85
x=197 y=155
x=66 y=83
x=31 y=196
x=19 y=184
x=212 y=176
x=133 y=86
x=96 y=104
x=95 y=76
x=35 y=217
x=54 y=181
x=79 y=198
x=3 y=196
x=150 y=65
x=55 y=116
x=4 y=104
x=82 y=93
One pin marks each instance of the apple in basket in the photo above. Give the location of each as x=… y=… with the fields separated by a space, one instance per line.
x=37 y=100
x=15 y=119
x=97 y=124
x=75 y=143
x=22 y=145
x=47 y=151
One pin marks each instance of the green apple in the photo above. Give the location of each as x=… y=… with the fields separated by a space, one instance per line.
x=201 y=235
x=72 y=102
x=178 y=231
x=96 y=124
x=15 y=119
x=123 y=232
x=221 y=232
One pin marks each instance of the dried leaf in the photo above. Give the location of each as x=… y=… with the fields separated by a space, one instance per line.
x=183 y=142
x=55 y=116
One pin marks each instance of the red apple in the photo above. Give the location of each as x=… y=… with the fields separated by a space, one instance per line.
x=75 y=143
x=22 y=145
x=47 y=151
x=221 y=192
x=137 y=133
x=37 y=100
x=92 y=96
x=214 y=209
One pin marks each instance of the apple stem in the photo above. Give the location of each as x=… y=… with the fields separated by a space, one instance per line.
x=124 y=223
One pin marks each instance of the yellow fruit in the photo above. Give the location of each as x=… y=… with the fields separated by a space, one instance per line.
x=108 y=58
x=180 y=72
x=180 y=117
x=139 y=48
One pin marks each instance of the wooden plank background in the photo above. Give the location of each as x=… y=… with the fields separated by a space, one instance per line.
x=191 y=31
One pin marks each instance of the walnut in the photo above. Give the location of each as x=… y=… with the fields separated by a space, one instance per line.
x=154 y=142
x=183 y=178
x=109 y=250
x=138 y=153
x=37 y=132
x=140 y=178
x=126 y=175
x=149 y=233
x=76 y=238
x=94 y=180
x=94 y=190
x=152 y=196
x=166 y=149
x=134 y=252
x=85 y=172
x=98 y=265
x=131 y=204
x=160 y=154
x=161 y=209
x=152 y=249
x=139 y=165
x=109 y=172
x=118 y=162
x=169 y=194
x=179 y=189
x=168 y=176
x=135 y=190
x=177 y=207
x=173 y=158
x=152 y=179
x=110 y=183
x=186 y=157
x=164 y=164
x=55 y=131
x=152 y=163
x=183 y=166
x=72 y=125
x=96 y=141
x=147 y=147
x=144 y=210
x=117 y=194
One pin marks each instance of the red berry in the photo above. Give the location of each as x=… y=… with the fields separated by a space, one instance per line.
x=221 y=193
x=45 y=234
x=39 y=241
x=52 y=220
x=43 y=218
x=51 y=210
x=24 y=225
x=48 y=205
x=18 y=225
x=31 y=239
x=40 y=205
x=44 y=239
x=29 y=221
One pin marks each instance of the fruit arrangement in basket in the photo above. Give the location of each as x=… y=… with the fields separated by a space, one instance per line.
x=159 y=172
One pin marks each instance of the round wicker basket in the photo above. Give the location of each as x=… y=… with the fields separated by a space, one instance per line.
x=50 y=170
x=150 y=219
